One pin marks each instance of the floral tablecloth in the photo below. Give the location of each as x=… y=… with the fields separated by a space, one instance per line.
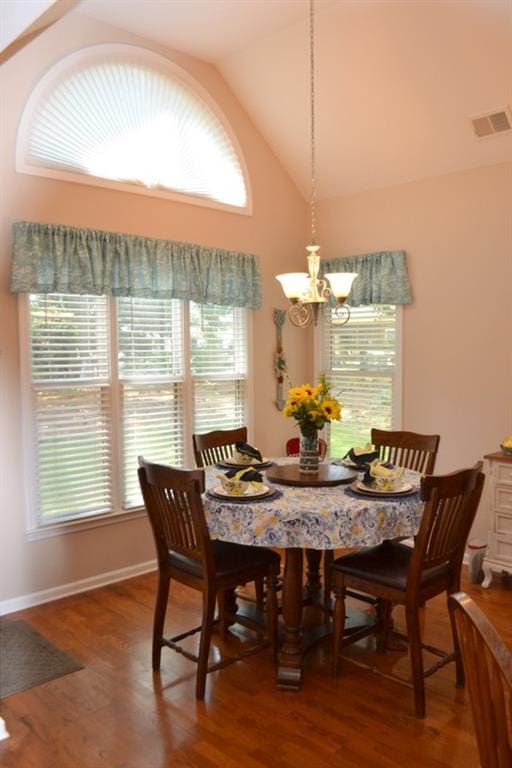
x=316 y=518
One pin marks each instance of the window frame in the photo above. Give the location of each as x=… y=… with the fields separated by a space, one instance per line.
x=76 y=61
x=34 y=530
x=397 y=402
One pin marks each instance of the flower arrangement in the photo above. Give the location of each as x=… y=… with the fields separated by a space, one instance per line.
x=312 y=407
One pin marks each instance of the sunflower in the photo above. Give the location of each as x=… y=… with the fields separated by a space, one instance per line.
x=290 y=407
x=309 y=392
x=331 y=409
x=295 y=393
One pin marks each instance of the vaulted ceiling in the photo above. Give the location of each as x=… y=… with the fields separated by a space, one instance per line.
x=396 y=81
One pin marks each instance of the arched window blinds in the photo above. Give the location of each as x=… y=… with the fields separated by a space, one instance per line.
x=122 y=114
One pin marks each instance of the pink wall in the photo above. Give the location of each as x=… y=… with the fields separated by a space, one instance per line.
x=457 y=232
x=276 y=232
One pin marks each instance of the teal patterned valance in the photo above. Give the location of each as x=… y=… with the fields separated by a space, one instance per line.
x=52 y=258
x=382 y=277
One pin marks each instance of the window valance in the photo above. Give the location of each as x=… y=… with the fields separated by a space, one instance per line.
x=53 y=258
x=382 y=277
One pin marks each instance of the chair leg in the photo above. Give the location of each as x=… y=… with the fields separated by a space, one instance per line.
x=460 y=678
x=416 y=653
x=162 y=597
x=338 y=621
x=328 y=561
x=204 y=644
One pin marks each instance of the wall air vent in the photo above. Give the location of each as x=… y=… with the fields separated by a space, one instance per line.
x=497 y=121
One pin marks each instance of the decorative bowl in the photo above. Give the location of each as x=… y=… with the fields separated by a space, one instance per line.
x=387 y=484
x=233 y=485
x=506 y=449
x=383 y=476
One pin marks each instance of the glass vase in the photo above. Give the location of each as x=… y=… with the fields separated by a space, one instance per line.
x=308 y=457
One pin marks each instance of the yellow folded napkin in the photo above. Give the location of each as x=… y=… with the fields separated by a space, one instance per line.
x=237 y=482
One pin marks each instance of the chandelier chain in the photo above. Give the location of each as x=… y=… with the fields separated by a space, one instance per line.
x=312 y=92
x=308 y=293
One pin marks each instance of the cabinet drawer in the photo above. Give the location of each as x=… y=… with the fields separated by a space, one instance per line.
x=502 y=549
x=504 y=473
x=503 y=523
x=502 y=499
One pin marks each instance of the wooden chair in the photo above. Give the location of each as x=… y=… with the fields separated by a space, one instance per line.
x=209 y=449
x=407 y=449
x=293 y=447
x=186 y=553
x=488 y=668
x=219 y=445
x=396 y=573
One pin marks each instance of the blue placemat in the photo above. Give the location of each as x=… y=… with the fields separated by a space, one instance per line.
x=276 y=494
x=257 y=467
x=385 y=497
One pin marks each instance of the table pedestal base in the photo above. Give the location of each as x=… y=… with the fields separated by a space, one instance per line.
x=297 y=640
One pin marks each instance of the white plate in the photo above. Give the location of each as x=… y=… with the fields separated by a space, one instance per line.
x=404 y=488
x=234 y=463
x=250 y=493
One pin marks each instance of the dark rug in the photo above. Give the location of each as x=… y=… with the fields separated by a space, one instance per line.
x=28 y=659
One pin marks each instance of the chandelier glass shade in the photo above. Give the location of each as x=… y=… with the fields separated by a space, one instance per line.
x=305 y=290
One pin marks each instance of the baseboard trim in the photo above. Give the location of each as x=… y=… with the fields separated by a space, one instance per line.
x=75 y=587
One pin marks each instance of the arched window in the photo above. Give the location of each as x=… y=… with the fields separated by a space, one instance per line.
x=122 y=116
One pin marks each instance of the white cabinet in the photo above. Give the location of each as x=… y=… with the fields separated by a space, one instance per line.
x=499 y=550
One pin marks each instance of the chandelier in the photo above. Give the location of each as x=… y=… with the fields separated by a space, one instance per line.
x=305 y=290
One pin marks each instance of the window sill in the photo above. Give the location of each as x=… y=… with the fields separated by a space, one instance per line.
x=75 y=526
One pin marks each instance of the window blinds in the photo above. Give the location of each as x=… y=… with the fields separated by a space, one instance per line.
x=71 y=405
x=360 y=361
x=127 y=121
x=218 y=364
x=112 y=380
x=152 y=418
x=150 y=353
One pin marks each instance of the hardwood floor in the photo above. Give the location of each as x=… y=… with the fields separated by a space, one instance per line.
x=116 y=714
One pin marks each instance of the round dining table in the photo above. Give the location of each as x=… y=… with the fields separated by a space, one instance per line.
x=311 y=517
